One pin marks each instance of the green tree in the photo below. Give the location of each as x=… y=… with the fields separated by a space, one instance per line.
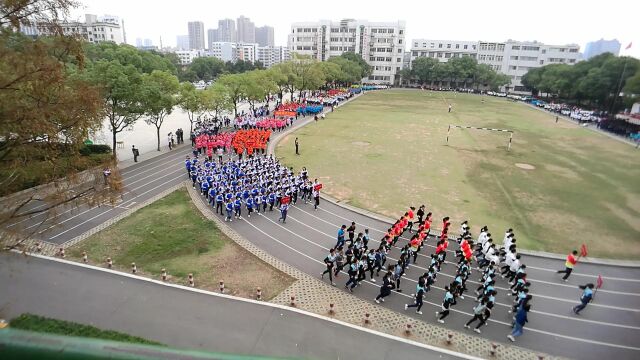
x=235 y=87
x=633 y=84
x=424 y=69
x=207 y=68
x=216 y=99
x=257 y=86
x=331 y=72
x=158 y=97
x=350 y=71
x=190 y=100
x=47 y=110
x=483 y=75
x=365 y=69
x=120 y=86
x=462 y=69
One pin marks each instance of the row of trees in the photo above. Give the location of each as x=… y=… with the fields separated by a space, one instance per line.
x=460 y=71
x=595 y=82
x=209 y=68
x=138 y=84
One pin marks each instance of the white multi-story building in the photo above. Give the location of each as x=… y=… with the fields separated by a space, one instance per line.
x=381 y=44
x=443 y=50
x=271 y=55
x=513 y=58
x=94 y=29
x=246 y=52
x=186 y=56
x=225 y=51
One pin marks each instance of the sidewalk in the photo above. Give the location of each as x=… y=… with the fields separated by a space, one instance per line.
x=186 y=318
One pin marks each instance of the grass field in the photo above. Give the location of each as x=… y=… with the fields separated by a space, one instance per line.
x=41 y=324
x=386 y=151
x=172 y=234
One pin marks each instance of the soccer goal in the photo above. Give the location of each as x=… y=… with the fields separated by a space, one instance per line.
x=482 y=128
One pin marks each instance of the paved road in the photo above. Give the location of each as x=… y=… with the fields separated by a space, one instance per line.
x=609 y=326
x=184 y=319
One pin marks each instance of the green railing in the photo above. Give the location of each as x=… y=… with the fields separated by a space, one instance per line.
x=20 y=344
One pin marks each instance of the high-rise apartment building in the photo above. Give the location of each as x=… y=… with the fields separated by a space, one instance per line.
x=182 y=42
x=595 y=48
x=196 y=35
x=246 y=30
x=264 y=36
x=381 y=44
x=226 y=31
x=212 y=36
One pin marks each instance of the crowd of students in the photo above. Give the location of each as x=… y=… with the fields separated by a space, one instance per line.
x=361 y=259
x=255 y=184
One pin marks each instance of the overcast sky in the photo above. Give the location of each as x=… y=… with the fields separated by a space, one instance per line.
x=551 y=22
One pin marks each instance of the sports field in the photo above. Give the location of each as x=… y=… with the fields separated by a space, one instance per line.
x=386 y=151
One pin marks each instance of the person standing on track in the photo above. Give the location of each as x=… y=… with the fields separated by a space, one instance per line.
x=297 y=144
x=283 y=213
x=569 y=264
x=316 y=195
x=585 y=298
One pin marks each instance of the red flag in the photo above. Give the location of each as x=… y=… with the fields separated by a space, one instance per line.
x=583 y=250
x=628 y=46
x=599 y=282
x=285 y=200
x=317 y=187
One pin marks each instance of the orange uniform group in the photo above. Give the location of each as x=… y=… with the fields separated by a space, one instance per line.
x=405 y=223
x=250 y=140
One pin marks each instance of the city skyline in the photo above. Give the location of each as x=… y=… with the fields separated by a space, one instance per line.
x=500 y=22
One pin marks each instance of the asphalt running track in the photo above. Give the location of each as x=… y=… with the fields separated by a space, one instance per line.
x=609 y=326
x=184 y=317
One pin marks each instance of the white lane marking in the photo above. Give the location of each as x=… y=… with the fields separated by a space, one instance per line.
x=96 y=206
x=260 y=303
x=542 y=281
x=595 y=342
x=439 y=288
x=497 y=287
x=104 y=212
x=123 y=179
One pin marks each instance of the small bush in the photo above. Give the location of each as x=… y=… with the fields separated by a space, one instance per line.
x=95 y=149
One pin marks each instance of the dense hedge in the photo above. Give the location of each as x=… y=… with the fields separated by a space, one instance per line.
x=95 y=149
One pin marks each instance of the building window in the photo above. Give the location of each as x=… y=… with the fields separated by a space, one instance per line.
x=571 y=61
x=544 y=51
x=514 y=57
x=447 y=55
x=465 y=47
x=401 y=32
x=414 y=53
x=399 y=41
x=515 y=47
x=513 y=67
x=440 y=46
x=399 y=60
x=573 y=50
x=399 y=51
